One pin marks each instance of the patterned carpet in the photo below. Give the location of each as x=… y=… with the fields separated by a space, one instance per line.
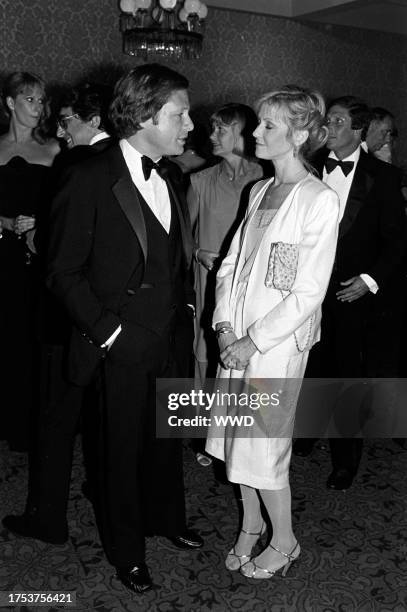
x=354 y=545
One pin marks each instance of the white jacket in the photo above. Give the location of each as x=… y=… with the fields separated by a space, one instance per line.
x=289 y=320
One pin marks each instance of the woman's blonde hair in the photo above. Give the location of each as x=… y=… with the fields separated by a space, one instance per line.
x=299 y=109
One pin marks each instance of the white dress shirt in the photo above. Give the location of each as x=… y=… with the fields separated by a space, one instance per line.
x=342 y=184
x=154 y=191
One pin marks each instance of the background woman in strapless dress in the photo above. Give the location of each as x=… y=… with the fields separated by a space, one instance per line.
x=25 y=159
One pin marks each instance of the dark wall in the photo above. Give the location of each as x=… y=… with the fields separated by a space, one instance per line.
x=244 y=54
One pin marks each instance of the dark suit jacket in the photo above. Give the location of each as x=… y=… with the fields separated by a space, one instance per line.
x=97 y=254
x=53 y=324
x=69 y=157
x=372 y=232
x=65 y=160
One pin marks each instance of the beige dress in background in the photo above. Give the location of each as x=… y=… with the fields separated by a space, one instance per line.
x=217 y=199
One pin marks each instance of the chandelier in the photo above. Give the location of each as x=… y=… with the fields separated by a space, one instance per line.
x=170 y=28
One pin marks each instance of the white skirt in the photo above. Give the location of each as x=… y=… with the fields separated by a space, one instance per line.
x=258 y=456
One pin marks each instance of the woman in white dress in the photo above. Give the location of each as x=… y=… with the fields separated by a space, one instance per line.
x=269 y=292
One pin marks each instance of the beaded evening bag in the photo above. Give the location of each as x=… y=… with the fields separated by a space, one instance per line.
x=282 y=266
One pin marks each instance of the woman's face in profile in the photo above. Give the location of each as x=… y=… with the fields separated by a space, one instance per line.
x=27 y=106
x=226 y=138
x=271 y=135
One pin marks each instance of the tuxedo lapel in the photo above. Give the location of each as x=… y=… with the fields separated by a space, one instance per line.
x=361 y=185
x=127 y=197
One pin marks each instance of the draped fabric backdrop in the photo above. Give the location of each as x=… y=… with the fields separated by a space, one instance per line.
x=244 y=54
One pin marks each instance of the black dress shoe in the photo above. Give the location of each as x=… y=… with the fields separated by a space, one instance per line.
x=303 y=447
x=189 y=540
x=26 y=527
x=136 y=578
x=340 y=479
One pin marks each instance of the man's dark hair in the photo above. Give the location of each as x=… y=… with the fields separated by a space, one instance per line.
x=357 y=108
x=379 y=113
x=89 y=100
x=140 y=94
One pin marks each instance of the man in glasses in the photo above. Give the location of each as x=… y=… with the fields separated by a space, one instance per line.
x=83 y=117
x=83 y=121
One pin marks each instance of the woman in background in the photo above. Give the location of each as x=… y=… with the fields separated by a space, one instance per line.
x=269 y=291
x=26 y=155
x=214 y=200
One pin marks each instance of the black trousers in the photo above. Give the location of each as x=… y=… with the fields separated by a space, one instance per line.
x=141 y=477
x=50 y=461
x=358 y=339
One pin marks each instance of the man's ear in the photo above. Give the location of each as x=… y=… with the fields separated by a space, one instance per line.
x=357 y=135
x=149 y=122
x=95 y=122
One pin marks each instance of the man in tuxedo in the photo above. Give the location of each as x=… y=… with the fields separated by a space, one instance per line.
x=83 y=123
x=361 y=311
x=83 y=117
x=119 y=255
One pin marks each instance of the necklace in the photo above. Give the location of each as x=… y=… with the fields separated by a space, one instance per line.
x=236 y=173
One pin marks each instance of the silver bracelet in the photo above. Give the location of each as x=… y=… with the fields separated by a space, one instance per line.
x=223 y=330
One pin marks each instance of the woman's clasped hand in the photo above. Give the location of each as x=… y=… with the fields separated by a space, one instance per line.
x=237 y=354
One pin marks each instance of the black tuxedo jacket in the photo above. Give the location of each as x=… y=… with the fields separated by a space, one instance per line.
x=63 y=162
x=97 y=253
x=68 y=157
x=372 y=232
x=52 y=322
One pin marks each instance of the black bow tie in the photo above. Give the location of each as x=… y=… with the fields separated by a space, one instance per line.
x=345 y=166
x=147 y=164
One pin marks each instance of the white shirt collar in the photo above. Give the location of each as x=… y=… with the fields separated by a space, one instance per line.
x=131 y=155
x=99 y=136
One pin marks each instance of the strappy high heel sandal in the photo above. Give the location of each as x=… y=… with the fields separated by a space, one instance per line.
x=251 y=570
x=234 y=562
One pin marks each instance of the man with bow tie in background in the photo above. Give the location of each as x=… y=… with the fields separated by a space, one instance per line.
x=362 y=309
x=119 y=257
